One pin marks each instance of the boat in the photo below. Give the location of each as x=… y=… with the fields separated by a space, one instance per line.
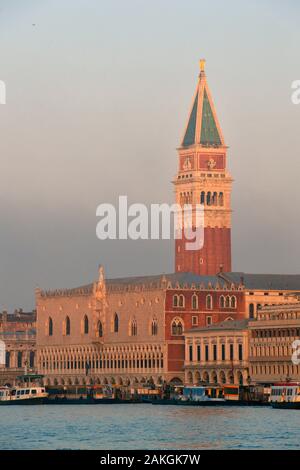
x=91 y=395
x=285 y=396
x=195 y=396
x=214 y=395
x=27 y=395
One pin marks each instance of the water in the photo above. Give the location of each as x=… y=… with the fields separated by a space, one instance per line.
x=147 y=427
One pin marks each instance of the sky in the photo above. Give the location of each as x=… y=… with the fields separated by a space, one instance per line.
x=97 y=98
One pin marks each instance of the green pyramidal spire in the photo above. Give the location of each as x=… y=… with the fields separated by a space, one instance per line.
x=203 y=127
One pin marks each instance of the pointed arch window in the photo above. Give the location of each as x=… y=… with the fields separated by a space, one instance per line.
x=68 y=326
x=181 y=300
x=116 y=323
x=227 y=303
x=233 y=302
x=222 y=301
x=194 y=301
x=209 y=302
x=154 y=327
x=85 y=325
x=202 y=197
x=251 y=311
x=100 y=329
x=177 y=327
x=50 y=326
x=175 y=300
x=133 y=327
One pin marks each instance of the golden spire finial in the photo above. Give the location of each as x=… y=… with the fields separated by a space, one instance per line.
x=202 y=65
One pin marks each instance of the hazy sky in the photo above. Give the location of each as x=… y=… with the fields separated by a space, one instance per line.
x=98 y=94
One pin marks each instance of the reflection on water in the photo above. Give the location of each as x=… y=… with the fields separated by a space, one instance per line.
x=147 y=427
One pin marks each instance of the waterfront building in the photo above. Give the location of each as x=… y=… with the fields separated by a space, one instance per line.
x=217 y=353
x=203 y=178
x=18 y=339
x=271 y=337
x=128 y=330
x=264 y=289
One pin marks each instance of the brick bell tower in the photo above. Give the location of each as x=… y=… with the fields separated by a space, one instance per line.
x=203 y=178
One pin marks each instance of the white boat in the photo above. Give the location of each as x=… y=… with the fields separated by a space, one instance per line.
x=285 y=395
x=30 y=395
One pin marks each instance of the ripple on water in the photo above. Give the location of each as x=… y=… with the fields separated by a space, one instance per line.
x=147 y=427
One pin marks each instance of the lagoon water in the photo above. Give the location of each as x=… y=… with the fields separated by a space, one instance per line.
x=145 y=426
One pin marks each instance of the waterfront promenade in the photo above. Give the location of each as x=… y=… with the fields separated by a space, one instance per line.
x=147 y=427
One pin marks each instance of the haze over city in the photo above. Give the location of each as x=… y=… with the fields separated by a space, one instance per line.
x=97 y=100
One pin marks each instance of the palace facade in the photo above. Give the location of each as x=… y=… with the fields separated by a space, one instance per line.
x=129 y=330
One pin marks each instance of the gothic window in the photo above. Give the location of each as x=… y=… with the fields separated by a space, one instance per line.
x=209 y=302
x=251 y=311
x=154 y=327
x=100 y=329
x=175 y=300
x=222 y=301
x=133 y=327
x=181 y=300
x=116 y=323
x=176 y=327
x=194 y=302
x=221 y=199
x=227 y=303
x=233 y=302
x=202 y=198
x=68 y=326
x=50 y=327
x=86 y=325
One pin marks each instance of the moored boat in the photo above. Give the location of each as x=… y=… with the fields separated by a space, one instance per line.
x=214 y=395
x=285 y=396
x=30 y=395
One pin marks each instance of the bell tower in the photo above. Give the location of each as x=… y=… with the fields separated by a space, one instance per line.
x=203 y=178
